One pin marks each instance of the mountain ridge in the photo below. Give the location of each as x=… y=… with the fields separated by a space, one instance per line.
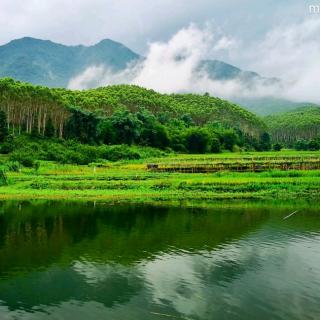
x=48 y=63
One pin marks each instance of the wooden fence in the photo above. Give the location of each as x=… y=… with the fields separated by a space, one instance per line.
x=234 y=165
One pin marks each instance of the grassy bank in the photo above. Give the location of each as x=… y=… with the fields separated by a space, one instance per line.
x=131 y=180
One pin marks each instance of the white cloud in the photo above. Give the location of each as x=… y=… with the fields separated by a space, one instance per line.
x=100 y=75
x=173 y=66
x=292 y=53
x=90 y=78
x=137 y=22
x=225 y=43
x=169 y=67
x=95 y=273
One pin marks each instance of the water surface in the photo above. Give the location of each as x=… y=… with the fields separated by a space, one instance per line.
x=100 y=261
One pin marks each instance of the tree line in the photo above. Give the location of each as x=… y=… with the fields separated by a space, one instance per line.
x=129 y=115
x=299 y=129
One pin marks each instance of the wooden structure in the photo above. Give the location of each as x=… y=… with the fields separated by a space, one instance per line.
x=240 y=165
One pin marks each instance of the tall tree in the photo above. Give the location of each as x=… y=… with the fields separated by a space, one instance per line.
x=3 y=126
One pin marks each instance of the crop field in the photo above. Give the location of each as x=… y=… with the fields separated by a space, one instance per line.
x=239 y=164
x=132 y=180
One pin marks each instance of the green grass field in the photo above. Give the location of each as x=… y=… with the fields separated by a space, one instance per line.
x=130 y=180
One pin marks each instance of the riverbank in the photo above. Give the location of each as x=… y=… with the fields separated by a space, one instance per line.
x=132 y=181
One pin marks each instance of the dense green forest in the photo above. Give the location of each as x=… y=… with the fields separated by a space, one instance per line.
x=130 y=122
x=28 y=106
x=123 y=115
x=299 y=129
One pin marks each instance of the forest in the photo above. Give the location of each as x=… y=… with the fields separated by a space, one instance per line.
x=33 y=116
x=103 y=144
x=298 y=129
x=130 y=122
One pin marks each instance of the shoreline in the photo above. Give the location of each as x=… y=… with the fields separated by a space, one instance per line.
x=131 y=181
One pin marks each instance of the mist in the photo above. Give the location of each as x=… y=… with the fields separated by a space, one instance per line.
x=289 y=52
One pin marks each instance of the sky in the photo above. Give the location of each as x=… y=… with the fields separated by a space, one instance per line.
x=277 y=38
x=139 y=22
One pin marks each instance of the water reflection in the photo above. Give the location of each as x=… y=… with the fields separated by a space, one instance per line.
x=65 y=260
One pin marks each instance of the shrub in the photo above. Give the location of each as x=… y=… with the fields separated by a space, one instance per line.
x=277 y=147
x=265 y=144
x=161 y=186
x=121 y=152
x=3 y=178
x=6 y=148
x=7 y=145
x=215 y=145
x=229 y=138
x=13 y=166
x=73 y=152
x=313 y=145
x=197 y=140
x=73 y=157
x=236 y=148
x=37 y=165
x=179 y=148
x=301 y=145
x=25 y=157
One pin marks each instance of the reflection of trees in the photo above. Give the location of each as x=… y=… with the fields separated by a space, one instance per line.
x=199 y=254
x=54 y=235
x=33 y=243
x=39 y=235
x=171 y=230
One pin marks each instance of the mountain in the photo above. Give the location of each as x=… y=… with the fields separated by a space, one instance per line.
x=219 y=70
x=265 y=106
x=51 y=64
x=47 y=63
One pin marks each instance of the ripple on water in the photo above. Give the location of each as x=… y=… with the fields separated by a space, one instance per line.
x=126 y=263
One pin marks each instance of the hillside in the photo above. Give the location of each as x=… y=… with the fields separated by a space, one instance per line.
x=16 y=97
x=51 y=64
x=202 y=109
x=302 y=123
x=219 y=70
x=265 y=106
x=121 y=115
x=47 y=63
